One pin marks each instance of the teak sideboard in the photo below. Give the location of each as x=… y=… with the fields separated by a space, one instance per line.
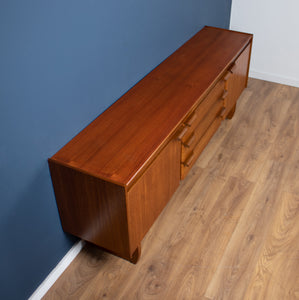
x=114 y=178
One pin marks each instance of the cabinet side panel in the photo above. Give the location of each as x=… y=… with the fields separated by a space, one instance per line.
x=91 y=208
x=150 y=194
x=238 y=81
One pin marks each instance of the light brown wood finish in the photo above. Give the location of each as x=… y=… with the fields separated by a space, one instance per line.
x=231 y=230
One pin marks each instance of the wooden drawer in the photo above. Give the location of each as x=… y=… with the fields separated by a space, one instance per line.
x=199 y=147
x=195 y=118
x=188 y=146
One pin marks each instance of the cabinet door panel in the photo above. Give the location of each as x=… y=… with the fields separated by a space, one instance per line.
x=238 y=80
x=149 y=195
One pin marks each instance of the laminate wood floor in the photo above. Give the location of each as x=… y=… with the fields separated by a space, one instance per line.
x=231 y=231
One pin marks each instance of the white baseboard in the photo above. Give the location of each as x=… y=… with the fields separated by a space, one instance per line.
x=57 y=271
x=274 y=78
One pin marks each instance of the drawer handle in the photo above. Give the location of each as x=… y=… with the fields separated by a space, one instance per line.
x=227 y=76
x=191 y=120
x=232 y=69
x=182 y=133
x=188 y=162
x=222 y=113
x=224 y=95
x=190 y=141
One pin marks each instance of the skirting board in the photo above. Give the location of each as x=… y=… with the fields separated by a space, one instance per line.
x=57 y=271
x=274 y=78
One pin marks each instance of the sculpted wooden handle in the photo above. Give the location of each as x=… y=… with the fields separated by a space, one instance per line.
x=232 y=69
x=190 y=141
x=182 y=133
x=190 y=121
x=227 y=76
x=224 y=95
x=188 y=162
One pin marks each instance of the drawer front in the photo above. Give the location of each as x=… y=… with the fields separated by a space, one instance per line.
x=187 y=164
x=218 y=92
x=199 y=131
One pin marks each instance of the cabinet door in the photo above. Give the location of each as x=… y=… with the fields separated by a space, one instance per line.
x=237 y=81
x=151 y=192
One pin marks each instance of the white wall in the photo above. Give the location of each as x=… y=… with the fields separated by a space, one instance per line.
x=275 y=25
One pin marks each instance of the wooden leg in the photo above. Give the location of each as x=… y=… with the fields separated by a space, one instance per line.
x=231 y=113
x=136 y=255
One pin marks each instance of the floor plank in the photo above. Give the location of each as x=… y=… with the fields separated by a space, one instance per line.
x=231 y=278
x=231 y=230
x=273 y=277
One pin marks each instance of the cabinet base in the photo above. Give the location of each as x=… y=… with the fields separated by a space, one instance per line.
x=136 y=255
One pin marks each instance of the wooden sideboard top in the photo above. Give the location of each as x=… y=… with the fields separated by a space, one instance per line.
x=126 y=136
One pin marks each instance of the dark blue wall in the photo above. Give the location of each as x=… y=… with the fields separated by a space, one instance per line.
x=61 y=64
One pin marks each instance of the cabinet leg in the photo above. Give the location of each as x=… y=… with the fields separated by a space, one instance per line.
x=136 y=255
x=231 y=113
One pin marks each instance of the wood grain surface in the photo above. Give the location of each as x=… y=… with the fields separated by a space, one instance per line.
x=237 y=81
x=231 y=230
x=150 y=194
x=127 y=136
